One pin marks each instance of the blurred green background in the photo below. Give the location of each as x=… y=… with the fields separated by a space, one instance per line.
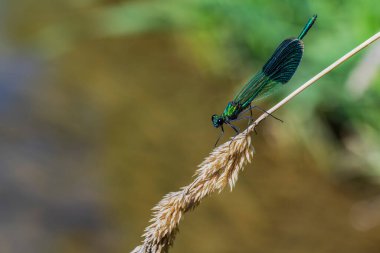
x=105 y=106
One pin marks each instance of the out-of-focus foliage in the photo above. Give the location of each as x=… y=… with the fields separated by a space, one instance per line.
x=105 y=106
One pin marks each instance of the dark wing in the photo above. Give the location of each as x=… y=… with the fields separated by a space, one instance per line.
x=279 y=69
x=284 y=61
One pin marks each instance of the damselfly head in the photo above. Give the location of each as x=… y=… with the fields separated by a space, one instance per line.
x=217 y=120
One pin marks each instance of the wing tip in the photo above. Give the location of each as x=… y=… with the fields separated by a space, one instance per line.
x=284 y=62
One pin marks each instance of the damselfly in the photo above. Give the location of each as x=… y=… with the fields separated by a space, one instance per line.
x=277 y=71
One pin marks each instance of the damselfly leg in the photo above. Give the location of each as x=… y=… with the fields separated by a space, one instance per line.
x=235 y=128
x=220 y=135
x=260 y=109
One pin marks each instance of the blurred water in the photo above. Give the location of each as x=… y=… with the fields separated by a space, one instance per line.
x=43 y=193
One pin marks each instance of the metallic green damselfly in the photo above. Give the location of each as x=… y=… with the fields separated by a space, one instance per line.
x=277 y=71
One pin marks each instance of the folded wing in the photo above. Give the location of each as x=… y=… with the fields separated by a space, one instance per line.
x=279 y=69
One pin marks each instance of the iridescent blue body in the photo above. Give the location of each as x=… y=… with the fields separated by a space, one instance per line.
x=277 y=71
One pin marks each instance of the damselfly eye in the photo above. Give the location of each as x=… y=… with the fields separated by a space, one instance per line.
x=216 y=120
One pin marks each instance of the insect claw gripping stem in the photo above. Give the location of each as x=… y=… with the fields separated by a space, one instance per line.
x=261 y=109
x=235 y=128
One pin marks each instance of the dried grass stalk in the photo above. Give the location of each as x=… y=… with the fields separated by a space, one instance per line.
x=220 y=168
